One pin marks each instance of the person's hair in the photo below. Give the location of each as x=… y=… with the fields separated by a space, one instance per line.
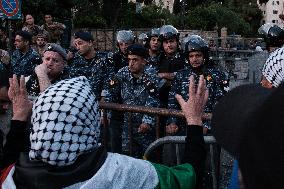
x=27 y=36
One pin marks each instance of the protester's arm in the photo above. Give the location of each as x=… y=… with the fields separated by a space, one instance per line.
x=195 y=152
x=41 y=72
x=17 y=139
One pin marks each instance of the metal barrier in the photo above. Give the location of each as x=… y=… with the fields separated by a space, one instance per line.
x=157 y=112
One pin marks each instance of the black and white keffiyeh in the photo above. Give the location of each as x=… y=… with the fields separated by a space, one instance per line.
x=273 y=69
x=65 y=122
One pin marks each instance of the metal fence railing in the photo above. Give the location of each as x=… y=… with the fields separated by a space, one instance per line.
x=214 y=159
x=157 y=112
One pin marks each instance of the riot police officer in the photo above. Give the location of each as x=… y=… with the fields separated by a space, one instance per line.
x=197 y=54
x=171 y=59
x=124 y=38
x=154 y=45
x=273 y=36
x=133 y=85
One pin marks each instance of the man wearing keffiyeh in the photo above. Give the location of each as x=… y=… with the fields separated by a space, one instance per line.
x=64 y=152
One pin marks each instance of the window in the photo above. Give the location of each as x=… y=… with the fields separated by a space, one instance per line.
x=273 y=21
x=275 y=12
x=272 y=2
x=277 y=2
x=264 y=12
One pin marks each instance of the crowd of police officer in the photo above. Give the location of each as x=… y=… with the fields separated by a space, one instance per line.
x=164 y=74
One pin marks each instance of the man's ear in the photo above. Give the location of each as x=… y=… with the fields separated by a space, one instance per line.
x=144 y=62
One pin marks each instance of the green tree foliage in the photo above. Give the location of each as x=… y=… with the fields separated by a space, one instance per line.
x=112 y=10
x=239 y=16
x=206 y=18
x=60 y=9
x=151 y=16
x=156 y=15
x=88 y=14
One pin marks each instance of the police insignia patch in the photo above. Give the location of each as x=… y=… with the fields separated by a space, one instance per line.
x=208 y=78
x=112 y=82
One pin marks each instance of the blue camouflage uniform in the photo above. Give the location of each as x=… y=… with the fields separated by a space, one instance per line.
x=153 y=62
x=169 y=65
x=215 y=82
x=119 y=61
x=141 y=92
x=24 y=64
x=97 y=70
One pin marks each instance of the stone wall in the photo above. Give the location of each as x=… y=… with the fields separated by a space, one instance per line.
x=242 y=66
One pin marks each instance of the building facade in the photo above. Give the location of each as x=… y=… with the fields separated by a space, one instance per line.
x=271 y=11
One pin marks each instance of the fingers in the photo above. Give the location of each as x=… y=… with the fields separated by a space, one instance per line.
x=201 y=85
x=10 y=90
x=206 y=96
x=15 y=83
x=23 y=90
x=171 y=129
x=14 y=87
x=180 y=100
x=192 y=87
x=143 y=128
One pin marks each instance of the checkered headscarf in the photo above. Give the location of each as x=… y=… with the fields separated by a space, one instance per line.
x=273 y=69
x=64 y=122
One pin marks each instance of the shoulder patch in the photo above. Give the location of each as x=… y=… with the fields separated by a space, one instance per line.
x=208 y=78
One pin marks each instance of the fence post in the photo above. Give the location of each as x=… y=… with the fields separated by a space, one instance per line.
x=130 y=134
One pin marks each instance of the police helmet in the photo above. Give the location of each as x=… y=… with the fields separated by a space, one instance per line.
x=155 y=32
x=142 y=38
x=196 y=43
x=168 y=32
x=125 y=36
x=272 y=34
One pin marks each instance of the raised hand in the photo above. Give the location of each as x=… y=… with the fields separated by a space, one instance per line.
x=193 y=108
x=22 y=106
